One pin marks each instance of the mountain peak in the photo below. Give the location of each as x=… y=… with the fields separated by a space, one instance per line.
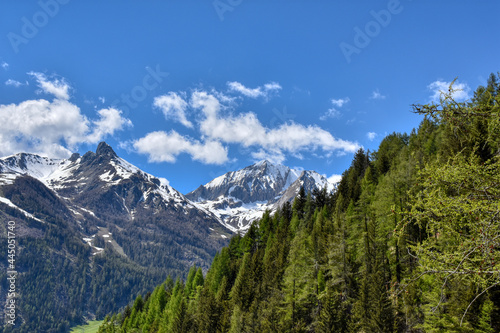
x=262 y=162
x=240 y=197
x=265 y=163
x=261 y=165
x=74 y=157
x=103 y=149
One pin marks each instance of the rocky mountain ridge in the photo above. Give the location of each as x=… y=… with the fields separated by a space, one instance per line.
x=103 y=183
x=238 y=198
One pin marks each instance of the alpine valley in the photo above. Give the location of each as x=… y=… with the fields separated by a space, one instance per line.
x=99 y=223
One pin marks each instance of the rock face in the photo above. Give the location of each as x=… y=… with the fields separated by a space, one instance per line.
x=240 y=197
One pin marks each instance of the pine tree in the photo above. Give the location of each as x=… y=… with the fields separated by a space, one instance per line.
x=300 y=281
x=182 y=322
x=242 y=292
x=332 y=317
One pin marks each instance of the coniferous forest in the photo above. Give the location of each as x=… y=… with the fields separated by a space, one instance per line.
x=409 y=242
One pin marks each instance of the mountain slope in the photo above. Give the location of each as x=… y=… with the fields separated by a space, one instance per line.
x=93 y=231
x=241 y=197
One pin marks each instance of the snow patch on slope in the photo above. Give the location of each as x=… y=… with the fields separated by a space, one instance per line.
x=11 y=204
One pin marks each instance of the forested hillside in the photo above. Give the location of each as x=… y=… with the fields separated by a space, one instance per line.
x=410 y=242
x=92 y=237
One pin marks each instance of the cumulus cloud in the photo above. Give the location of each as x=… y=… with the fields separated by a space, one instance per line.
x=5 y=65
x=52 y=128
x=14 y=83
x=333 y=112
x=294 y=137
x=219 y=128
x=460 y=91
x=173 y=106
x=110 y=120
x=57 y=87
x=262 y=91
x=246 y=129
x=377 y=95
x=161 y=146
x=371 y=136
x=39 y=125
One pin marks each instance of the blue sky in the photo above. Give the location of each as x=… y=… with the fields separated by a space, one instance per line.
x=188 y=90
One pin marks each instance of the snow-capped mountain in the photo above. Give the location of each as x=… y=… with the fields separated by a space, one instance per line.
x=103 y=186
x=240 y=197
x=93 y=231
x=102 y=190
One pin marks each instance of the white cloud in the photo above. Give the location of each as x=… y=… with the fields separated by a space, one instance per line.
x=52 y=128
x=276 y=157
x=340 y=102
x=253 y=93
x=205 y=101
x=334 y=179
x=102 y=100
x=57 y=87
x=377 y=95
x=41 y=123
x=293 y=137
x=5 y=65
x=217 y=127
x=173 y=106
x=460 y=90
x=272 y=86
x=165 y=147
x=371 y=135
x=111 y=120
x=246 y=129
x=333 y=112
x=14 y=83
x=263 y=91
